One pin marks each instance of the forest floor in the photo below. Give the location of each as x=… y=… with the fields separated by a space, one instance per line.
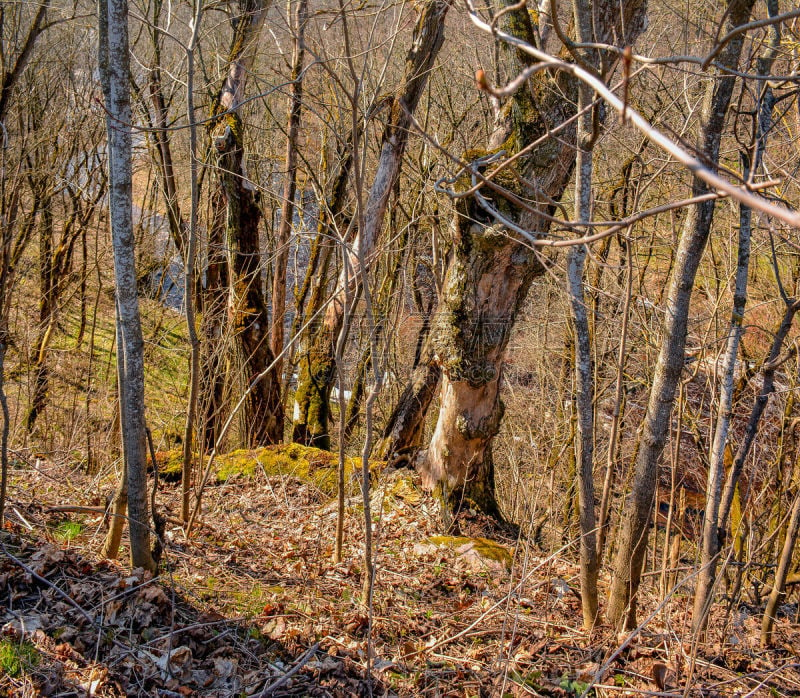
x=252 y=604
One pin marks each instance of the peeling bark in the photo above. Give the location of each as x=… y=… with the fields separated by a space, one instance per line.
x=491 y=270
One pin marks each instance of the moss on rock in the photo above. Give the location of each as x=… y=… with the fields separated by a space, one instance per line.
x=478 y=551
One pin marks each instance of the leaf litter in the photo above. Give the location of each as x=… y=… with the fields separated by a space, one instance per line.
x=252 y=604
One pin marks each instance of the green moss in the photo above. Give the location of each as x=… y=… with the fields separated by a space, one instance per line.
x=313 y=395
x=16 y=657
x=483 y=547
x=312 y=465
x=170 y=465
x=67 y=531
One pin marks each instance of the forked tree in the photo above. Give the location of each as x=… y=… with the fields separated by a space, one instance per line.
x=493 y=262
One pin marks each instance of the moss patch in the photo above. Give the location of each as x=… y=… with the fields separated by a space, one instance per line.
x=16 y=657
x=170 y=465
x=312 y=465
x=480 y=550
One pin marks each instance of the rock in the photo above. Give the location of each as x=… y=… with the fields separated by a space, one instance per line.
x=480 y=554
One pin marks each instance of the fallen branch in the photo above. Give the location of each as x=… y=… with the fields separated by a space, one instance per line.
x=298 y=665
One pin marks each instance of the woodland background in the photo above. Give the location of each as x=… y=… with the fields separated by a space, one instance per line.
x=324 y=267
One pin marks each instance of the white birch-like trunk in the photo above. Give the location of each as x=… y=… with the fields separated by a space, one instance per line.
x=116 y=70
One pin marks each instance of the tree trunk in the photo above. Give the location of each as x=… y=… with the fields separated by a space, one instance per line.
x=114 y=61
x=491 y=271
x=584 y=384
x=778 y=592
x=189 y=265
x=402 y=436
x=289 y=186
x=712 y=537
x=55 y=262
x=248 y=318
x=310 y=301
x=236 y=210
x=312 y=411
x=632 y=542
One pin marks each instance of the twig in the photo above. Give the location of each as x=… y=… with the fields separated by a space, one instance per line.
x=75 y=509
x=298 y=665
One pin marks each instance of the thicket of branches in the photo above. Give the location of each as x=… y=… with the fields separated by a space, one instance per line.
x=545 y=255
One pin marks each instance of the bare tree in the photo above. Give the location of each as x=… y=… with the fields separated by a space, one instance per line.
x=114 y=63
x=290 y=183
x=712 y=538
x=317 y=369
x=632 y=541
x=492 y=265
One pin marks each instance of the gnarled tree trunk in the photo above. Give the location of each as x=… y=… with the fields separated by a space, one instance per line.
x=492 y=270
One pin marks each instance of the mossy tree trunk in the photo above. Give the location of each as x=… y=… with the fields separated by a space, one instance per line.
x=248 y=318
x=492 y=270
x=318 y=366
x=234 y=229
x=310 y=301
x=402 y=436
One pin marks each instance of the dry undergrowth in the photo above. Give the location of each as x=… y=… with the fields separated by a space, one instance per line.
x=253 y=605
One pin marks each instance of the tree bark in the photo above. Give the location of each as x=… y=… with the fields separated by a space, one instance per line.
x=633 y=532
x=236 y=212
x=114 y=61
x=491 y=270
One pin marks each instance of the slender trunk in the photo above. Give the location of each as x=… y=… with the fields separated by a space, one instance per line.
x=215 y=346
x=584 y=384
x=115 y=72
x=616 y=415
x=118 y=506
x=6 y=426
x=177 y=226
x=778 y=593
x=772 y=363
x=188 y=277
x=11 y=77
x=290 y=184
x=46 y=314
x=711 y=541
x=633 y=536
